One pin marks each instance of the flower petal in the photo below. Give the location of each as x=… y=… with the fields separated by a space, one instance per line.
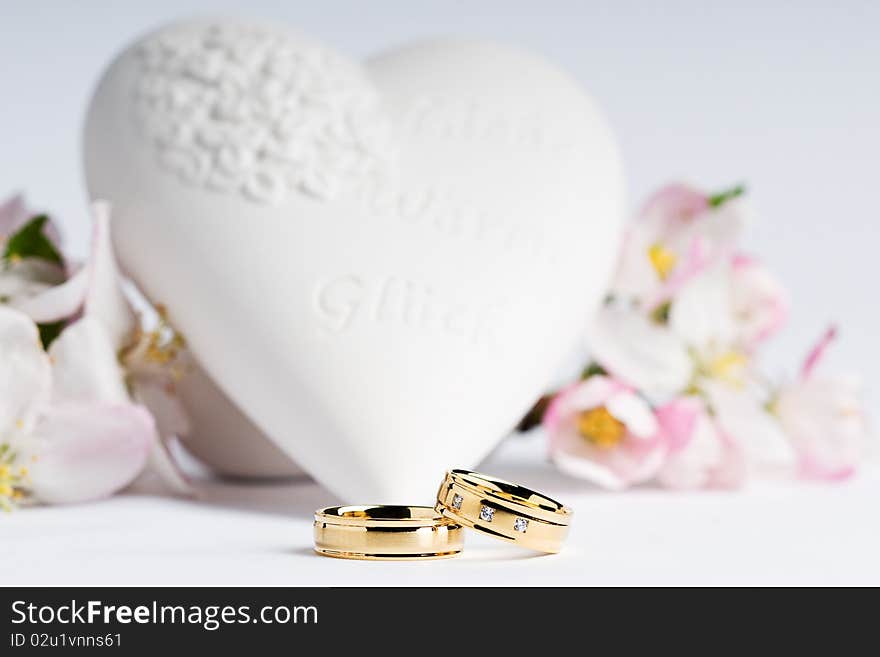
x=702 y=457
x=818 y=352
x=701 y=311
x=675 y=202
x=13 y=214
x=88 y=451
x=724 y=226
x=634 y=461
x=27 y=279
x=25 y=374
x=162 y=463
x=28 y=276
x=164 y=404
x=105 y=299
x=588 y=470
x=825 y=422
x=677 y=420
x=741 y=414
x=760 y=302
x=640 y=353
x=55 y=303
x=172 y=421
x=85 y=366
x=634 y=412
x=580 y=396
x=635 y=277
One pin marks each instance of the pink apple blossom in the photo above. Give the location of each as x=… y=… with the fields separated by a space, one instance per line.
x=737 y=303
x=824 y=419
x=602 y=431
x=701 y=454
x=639 y=352
x=87 y=371
x=75 y=434
x=15 y=213
x=679 y=232
x=31 y=283
x=759 y=302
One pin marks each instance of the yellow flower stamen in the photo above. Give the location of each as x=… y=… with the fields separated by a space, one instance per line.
x=600 y=428
x=728 y=366
x=662 y=259
x=13 y=479
x=160 y=346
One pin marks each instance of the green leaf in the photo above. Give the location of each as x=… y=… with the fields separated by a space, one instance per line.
x=593 y=369
x=660 y=314
x=48 y=332
x=31 y=242
x=722 y=197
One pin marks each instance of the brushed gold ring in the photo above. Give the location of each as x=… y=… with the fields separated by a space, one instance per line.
x=506 y=511
x=384 y=532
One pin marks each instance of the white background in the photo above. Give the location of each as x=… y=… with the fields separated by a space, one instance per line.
x=784 y=96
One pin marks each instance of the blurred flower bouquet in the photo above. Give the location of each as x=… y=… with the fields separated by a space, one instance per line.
x=674 y=393
x=86 y=393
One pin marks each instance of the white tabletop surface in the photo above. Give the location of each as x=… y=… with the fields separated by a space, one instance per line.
x=773 y=532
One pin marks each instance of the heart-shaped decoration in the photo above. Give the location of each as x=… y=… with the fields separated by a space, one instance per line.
x=382 y=266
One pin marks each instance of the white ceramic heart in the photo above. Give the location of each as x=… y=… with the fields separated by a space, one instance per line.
x=382 y=268
x=222 y=437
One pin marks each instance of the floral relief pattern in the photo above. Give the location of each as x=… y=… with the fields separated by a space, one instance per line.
x=252 y=110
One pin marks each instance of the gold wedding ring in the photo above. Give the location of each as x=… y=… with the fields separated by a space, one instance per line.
x=385 y=532
x=504 y=510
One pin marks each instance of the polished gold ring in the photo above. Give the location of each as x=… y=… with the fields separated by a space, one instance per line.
x=386 y=532
x=504 y=510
